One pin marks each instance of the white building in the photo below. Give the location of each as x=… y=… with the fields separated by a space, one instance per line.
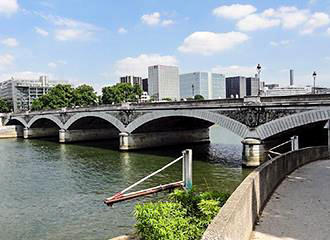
x=163 y=82
x=209 y=85
x=21 y=92
x=286 y=91
x=131 y=80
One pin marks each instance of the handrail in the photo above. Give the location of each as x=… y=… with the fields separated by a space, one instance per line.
x=153 y=174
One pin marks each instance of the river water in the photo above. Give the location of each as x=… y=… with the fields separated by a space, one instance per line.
x=51 y=191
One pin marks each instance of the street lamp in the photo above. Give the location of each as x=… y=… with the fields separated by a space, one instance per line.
x=259 y=71
x=314 y=77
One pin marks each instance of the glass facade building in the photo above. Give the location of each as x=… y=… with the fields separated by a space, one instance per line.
x=209 y=85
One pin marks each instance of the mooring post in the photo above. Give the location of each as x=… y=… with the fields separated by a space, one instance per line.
x=294 y=143
x=187 y=169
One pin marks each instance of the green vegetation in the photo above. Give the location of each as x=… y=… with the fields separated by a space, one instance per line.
x=64 y=95
x=184 y=217
x=198 y=97
x=167 y=99
x=4 y=106
x=121 y=92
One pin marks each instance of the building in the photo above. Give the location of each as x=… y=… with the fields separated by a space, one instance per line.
x=286 y=91
x=145 y=85
x=163 y=82
x=239 y=87
x=145 y=97
x=131 y=80
x=209 y=85
x=20 y=93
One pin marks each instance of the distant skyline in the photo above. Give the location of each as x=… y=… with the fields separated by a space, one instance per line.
x=95 y=42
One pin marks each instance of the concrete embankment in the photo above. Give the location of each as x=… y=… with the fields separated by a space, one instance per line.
x=236 y=218
x=11 y=131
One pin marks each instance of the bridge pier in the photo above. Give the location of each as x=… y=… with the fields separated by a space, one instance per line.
x=39 y=132
x=253 y=152
x=67 y=136
x=129 y=141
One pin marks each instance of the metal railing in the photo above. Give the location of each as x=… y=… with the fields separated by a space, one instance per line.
x=186 y=181
x=294 y=141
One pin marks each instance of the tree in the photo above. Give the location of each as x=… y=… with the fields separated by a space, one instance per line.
x=59 y=96
x=198 y=97
x=84 y=95
x=121 y=92
x=167 y=99
x=4 y=106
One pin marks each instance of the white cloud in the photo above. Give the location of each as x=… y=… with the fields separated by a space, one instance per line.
x=10 y=42
x=235 y=70
x=167 y=22
x=290 y=17
x=41 y=31
x=208 y=43
x=8 y=7
x=316 y=21
x=6 y=60
x=52 y=65
x=139 y=65
x=235 y=11
x=72 y=34
x=122 y=30
x=70 y=29
x=280 y=43
x=155 y=19
x=151 y=19
x=255 y=22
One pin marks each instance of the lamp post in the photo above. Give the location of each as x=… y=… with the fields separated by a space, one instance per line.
x=259 y=71
x=314 y=77
x=193 y=90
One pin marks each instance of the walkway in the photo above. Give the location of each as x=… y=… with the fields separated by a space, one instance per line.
x=299 y=209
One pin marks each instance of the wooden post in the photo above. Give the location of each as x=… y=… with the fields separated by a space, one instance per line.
x=187 y=169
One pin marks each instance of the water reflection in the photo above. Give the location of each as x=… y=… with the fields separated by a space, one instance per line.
x=54 y=191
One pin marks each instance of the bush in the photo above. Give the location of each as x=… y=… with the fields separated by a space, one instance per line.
x=185 y=217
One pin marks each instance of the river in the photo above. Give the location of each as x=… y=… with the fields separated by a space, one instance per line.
x=50 y=191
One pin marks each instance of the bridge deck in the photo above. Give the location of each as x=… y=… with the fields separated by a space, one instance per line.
x=300 y=207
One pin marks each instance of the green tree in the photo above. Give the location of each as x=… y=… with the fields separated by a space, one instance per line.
x=84 y=95
x=121 y=92
x=4 y=106
x=198 y=97
x=59 y=96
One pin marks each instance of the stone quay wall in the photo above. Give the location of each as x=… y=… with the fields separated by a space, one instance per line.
x=236 y=219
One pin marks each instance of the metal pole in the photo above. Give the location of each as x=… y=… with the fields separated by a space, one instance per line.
x=314 y=92
x=187 y=169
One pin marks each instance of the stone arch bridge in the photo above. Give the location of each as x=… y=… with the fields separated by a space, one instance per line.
x=257 y=120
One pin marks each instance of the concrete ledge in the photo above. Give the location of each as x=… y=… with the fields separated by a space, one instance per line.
x=236 y=218
x=14 y=131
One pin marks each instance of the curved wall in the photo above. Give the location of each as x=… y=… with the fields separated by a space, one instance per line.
x=236 y=218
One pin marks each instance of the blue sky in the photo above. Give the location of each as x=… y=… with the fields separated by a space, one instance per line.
x=96 y=41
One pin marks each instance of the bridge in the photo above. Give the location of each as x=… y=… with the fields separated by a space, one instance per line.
x=261 y=122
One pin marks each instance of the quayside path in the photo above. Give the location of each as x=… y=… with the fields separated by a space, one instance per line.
x=299 y=209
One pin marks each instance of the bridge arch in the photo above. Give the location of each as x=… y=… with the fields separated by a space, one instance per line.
x=19 y=119
x=107 y=117
x=48 y=117
x=287 y=123
x=223 y=121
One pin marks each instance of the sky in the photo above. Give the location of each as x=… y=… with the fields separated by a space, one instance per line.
x=95 y=42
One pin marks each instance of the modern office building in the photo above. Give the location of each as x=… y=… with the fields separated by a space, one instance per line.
x=209 y=85
x=163 y=82
x=20 y=93
x=145 y=85
x=239 y=87
x=131 y=80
